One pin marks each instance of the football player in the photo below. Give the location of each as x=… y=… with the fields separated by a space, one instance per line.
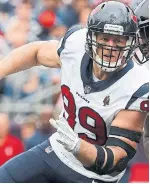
x=105 y=101
x=142 y=13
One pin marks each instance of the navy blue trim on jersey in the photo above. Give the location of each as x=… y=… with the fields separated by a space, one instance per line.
x=144 y=89
x=69 y=32
x=87 y=75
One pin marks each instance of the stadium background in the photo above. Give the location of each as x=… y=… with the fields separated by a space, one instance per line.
x=28 y=99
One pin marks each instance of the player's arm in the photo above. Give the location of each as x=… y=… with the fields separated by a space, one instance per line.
x=146 y=137
x=29 y=55
x=120 y=146
x=124 y=135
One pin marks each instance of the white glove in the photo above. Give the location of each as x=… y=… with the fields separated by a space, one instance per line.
x=66 y=136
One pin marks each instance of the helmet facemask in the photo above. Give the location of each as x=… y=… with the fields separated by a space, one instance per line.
x=117 y=53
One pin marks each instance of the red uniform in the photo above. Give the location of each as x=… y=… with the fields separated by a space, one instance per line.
x=11 y=147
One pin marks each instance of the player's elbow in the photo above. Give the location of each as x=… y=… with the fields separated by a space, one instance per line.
x=118 y=153
x=112 y=158
x=47 y=54
x=119 y=149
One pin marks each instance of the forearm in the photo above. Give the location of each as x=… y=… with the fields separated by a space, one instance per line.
x=119 y=148
x=19 y=59
x=88 y=153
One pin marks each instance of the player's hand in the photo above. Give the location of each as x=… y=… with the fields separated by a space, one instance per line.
x=66 y=136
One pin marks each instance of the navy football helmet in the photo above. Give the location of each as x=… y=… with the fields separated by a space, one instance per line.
x=113 y=18
x=142 y=13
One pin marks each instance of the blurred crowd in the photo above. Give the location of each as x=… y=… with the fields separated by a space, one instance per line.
x=29 y=99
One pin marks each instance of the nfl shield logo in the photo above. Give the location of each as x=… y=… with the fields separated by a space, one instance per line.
x=87 y=89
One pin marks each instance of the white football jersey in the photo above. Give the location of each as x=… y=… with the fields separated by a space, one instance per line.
x=89 y=106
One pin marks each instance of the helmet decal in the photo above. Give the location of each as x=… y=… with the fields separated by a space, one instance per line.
x=113 y=29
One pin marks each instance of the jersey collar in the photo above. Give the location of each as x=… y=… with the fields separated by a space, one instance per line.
x=87 y=77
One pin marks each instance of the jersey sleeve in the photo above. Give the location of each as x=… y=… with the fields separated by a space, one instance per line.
x=68 y=43
x=139 y=101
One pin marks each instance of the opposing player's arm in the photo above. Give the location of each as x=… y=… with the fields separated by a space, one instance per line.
x=29 y=55
x=146 y=137
x=120 y=147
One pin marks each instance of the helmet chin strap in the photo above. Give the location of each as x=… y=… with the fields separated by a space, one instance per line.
x=110 y=66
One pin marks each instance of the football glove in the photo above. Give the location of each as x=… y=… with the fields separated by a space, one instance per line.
x=66 y=136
